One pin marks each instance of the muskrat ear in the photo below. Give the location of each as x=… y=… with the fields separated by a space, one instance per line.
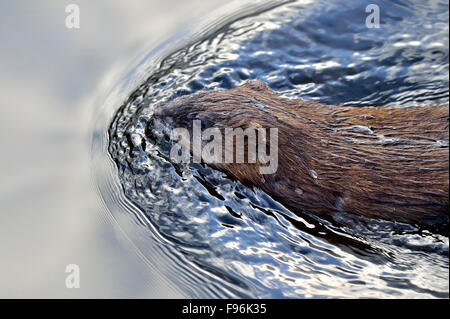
x=256 y=85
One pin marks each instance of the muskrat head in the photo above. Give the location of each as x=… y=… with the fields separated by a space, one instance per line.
x=271 y=149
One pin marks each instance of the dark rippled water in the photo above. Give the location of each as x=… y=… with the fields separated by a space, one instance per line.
x=222 y=239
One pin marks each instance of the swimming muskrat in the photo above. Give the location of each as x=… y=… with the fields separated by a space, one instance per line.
x=378 y=162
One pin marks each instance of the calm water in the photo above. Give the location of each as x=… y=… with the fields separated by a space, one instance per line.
x=213 y=237
x=53 y=83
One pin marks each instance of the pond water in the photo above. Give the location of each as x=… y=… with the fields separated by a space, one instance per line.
x=53 y=81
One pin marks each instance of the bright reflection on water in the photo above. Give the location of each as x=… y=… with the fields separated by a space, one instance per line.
x=223 y=239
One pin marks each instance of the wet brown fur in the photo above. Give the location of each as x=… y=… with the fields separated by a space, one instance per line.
x=329 y=162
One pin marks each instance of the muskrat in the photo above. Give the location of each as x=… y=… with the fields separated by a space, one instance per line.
x=378 y=162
